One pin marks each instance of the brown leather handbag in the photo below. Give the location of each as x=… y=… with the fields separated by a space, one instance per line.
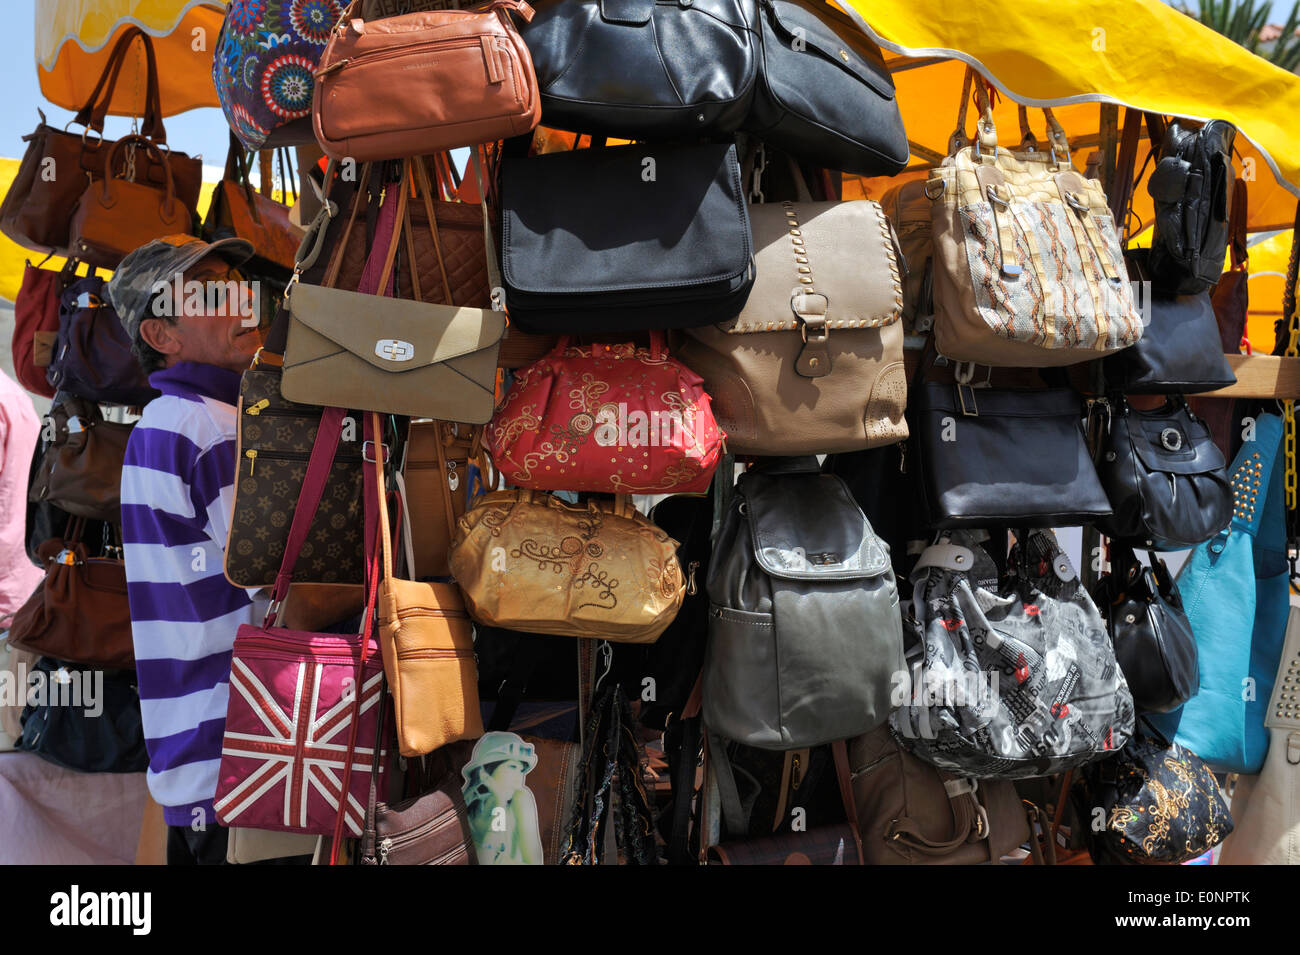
x=814 y=363
x=427 y=643
x=420 y=83
x=914 y=814
x=81 y=469
x=238 y=210
x=38 y=207
x=114 y=217
x=79 y=613
x=436 y=475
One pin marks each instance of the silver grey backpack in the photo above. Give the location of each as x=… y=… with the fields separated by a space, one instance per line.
x=805 y=636
x=1009 y=678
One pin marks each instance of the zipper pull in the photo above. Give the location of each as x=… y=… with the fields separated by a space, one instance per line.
x=795 y=779
x=691 y=589
x=259 y=407
x=332 y=68
x=252 y=460
x=902 y=457
x=384 y=847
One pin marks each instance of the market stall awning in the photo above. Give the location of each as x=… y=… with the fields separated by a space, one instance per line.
x=74 y=38
x=1073 y=55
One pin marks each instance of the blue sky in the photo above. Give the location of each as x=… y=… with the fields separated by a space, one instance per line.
x=197 y=131
x=201 y=131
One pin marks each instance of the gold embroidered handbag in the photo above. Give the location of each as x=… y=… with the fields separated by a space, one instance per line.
x=527 y=561
x=1027 y=269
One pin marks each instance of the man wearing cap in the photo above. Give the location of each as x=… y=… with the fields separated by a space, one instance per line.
x=194 y=338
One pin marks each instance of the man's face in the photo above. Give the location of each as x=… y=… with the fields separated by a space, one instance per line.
x=216 y=326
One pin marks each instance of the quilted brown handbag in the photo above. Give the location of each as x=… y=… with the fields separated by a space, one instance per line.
x=114 y=217
x=527 y=561
x=79 y=613
x=460 y=77
x=1028 y=269
x=38 y=207
x=814 y=363
x=427 y=643
x=445 y=255
x=81 y=469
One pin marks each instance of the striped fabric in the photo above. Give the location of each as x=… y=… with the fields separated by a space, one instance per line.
x=177 y=494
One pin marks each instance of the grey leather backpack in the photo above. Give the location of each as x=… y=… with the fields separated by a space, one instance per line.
x=805 y=636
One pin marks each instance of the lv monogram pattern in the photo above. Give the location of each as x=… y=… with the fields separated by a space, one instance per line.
x=274 y=446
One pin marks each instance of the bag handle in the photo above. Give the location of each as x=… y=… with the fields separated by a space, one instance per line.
x=1237 y=226
x=986 y=145
x=1121 y=196
x=313 y=488
x=150 y=147
x=94 y=112
x=374 y=508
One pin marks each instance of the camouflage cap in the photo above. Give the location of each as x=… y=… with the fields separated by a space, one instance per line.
x=135 y=281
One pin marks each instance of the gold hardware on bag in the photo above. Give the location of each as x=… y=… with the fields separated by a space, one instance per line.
x=252 y=460
x=256 y=409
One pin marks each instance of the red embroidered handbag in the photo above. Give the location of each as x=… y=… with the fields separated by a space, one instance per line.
x=616 y=419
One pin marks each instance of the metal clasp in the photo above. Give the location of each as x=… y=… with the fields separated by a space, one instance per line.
x=367 y=455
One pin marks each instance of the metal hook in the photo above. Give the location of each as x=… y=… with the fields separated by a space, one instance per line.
x=608 y=653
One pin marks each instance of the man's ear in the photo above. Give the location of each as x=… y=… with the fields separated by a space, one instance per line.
x=160 y=335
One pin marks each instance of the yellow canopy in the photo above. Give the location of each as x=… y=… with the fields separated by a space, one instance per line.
x=75 y=37
x=1073 y=55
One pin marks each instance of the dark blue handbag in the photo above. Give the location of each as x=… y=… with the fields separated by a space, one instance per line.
x=1236 y=593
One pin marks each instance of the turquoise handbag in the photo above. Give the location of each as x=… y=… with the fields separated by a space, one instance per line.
x=1236 y=592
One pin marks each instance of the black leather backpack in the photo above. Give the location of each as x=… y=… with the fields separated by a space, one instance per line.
x=1191 y=188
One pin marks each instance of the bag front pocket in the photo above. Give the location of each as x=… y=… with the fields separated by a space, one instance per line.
x=742 y=699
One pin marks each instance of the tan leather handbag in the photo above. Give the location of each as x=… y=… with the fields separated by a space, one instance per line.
x=814 y=363
x=427 y=643
x=423 y=82
x=436 y=475
x=527 y=561
x=911 y=813
x=116 y=216
x=1028 y=270
x=409 y=358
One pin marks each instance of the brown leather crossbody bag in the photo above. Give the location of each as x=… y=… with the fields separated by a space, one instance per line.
x=423 y=82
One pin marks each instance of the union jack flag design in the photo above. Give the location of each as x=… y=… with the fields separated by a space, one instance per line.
x=286 y=740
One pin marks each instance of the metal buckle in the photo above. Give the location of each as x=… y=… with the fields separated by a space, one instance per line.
x=966 y=396
x=943 y=187
x=366 y=453
x=979 y=155
x=1057 y=153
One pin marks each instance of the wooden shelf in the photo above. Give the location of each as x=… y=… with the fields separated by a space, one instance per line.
x=1262 y=376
